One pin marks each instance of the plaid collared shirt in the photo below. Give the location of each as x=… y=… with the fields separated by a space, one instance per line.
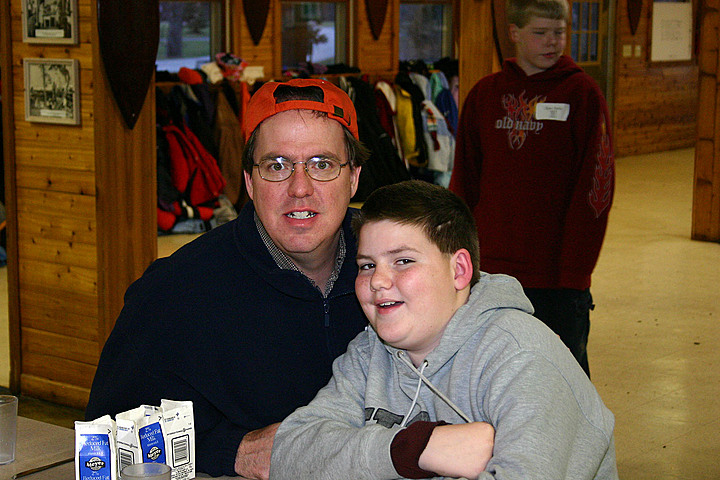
x=284 y=262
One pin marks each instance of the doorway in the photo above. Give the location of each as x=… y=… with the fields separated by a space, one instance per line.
x=590 y=40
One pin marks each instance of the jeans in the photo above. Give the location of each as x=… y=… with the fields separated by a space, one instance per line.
x=567 y=313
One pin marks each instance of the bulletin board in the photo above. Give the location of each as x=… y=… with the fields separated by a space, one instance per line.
x=672 y=38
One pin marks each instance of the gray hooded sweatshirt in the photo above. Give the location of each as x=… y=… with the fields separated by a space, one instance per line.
x=495 y=363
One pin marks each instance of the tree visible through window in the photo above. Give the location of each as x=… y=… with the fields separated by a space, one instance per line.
x=313 y=32
x=190 y=33
x=425 y=30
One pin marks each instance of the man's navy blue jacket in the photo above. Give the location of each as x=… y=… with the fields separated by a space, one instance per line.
x=220 y=324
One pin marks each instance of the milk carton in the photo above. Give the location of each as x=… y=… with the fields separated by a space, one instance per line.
x=95 y=450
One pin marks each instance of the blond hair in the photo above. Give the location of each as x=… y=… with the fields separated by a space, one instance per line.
x=519 y=12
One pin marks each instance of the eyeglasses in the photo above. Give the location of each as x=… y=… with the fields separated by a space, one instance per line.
x=278 y=169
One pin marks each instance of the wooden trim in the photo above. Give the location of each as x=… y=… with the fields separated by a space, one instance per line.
x=126 y=184
x=706 y=189
x=476 y=44
x=8 y=139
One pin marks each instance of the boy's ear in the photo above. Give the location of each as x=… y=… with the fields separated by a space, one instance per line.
x=513 y=31
x=463 y=268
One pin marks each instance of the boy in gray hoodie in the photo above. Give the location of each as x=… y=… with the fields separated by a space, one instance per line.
x=453 y=357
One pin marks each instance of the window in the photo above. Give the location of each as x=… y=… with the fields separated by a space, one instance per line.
x=585 y=41
x=425 y=30
x=191 y=33
x=313 y=32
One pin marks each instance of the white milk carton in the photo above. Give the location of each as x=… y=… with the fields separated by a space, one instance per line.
x=179 y=431
x=149 y=428
x=95 y=450
x=128 y=442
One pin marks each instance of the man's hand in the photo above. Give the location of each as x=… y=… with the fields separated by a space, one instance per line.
x=253 y=456
x=459 y=450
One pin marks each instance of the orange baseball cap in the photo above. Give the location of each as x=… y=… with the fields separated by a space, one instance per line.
x=335 y=102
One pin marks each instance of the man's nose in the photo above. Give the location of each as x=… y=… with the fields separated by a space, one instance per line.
x=300 y=183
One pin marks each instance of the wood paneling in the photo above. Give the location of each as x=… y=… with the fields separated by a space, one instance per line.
x=377 y=58
x=706 y=192
x=655 y=104
x=267 y=52
x=83 y=199
x=54 y=391
x=477 y=57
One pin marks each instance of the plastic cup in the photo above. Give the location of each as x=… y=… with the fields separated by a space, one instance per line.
x=8 y=428
x=146 y=471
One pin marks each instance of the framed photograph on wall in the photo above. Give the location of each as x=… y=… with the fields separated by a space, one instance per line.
x=49 y=21
x=671 y=38
x=52 y=90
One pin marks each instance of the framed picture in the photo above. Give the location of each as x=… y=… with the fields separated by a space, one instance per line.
x=49 y=21
x=52 y=93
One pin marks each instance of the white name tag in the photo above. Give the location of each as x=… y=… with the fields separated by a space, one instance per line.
x=552 y=111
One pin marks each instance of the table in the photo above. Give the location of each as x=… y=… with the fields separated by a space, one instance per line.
x=39 y=444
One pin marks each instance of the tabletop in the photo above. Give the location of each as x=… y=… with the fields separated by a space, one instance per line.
x=40 y=444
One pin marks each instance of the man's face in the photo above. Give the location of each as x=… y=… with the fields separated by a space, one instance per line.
x=539 y=44
x=302 y=215
x=407 y=287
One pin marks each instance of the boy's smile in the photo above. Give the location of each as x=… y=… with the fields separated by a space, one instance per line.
x=539 y=44
x=406 y=286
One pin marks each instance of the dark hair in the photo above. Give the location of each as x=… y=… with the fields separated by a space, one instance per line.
x=357 y=153
x=519 y=12
x=442 y=215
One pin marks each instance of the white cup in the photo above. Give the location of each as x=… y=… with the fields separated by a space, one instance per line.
x=146 y=471
x=8 y=428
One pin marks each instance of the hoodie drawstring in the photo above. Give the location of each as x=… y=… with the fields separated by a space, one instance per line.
x=421 y=378
x=417 y=392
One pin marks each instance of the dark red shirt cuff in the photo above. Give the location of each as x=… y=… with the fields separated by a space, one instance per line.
x=408 y=445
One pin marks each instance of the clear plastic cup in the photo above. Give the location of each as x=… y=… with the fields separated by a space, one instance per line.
x=8 y=428
x=146 y=471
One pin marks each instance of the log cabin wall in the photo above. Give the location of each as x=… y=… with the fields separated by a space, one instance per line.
x=655 y=104
x=81 y=216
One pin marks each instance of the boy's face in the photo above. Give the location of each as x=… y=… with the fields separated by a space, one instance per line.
x=539 y=44
x=407 y=288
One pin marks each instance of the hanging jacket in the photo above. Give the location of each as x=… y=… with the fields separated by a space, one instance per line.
x=384 y=167
x=495 y=363
x=438 y=139
x=194 y=171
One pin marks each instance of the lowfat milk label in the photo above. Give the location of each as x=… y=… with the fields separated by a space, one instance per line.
x=152 y=443
x=94 y=457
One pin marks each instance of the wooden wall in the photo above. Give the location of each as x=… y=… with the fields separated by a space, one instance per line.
x=706 y=193
x=655 y=104
x=374 y=57
x=81 y=218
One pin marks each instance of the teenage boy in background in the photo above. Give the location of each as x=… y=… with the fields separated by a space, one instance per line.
x=451 y=354
x=534 y=162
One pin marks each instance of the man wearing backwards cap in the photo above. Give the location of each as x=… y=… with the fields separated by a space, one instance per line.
x=246 y=320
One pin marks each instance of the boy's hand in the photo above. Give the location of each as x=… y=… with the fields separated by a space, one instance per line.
x=459 y=450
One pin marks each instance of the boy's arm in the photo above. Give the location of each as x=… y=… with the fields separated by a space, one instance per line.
x=458 y=451
x=541 y=429
x=587 y=215
x=328 y=438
